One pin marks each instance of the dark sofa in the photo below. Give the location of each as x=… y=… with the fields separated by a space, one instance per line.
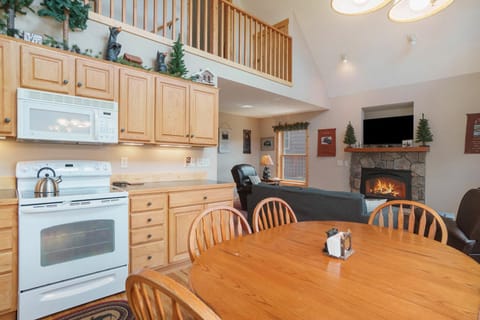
x=312 y=203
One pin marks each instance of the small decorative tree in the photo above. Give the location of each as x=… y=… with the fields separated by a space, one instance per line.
x=72 y=13
x=349 y=135
x=423 y=132
x=176 y=66
x=11 y=7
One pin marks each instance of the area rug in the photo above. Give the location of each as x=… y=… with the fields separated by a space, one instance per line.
x=109 y=310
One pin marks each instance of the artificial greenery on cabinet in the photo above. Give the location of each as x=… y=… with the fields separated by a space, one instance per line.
x=424 y=134
x=11 y=8
x=176 y=65
x=72 y=13
x=291 y=126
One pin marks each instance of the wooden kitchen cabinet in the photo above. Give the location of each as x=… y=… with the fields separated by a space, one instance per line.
x=136 y=101
x=148 y=231
x=8 y=85
x=8 y=258
x=184 y=206
x=185 y=112
x=53 y=70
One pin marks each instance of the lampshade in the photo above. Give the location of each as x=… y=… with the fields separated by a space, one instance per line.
x=266 y=160
x=402 y=10
x=413 y=10
x=354 y=7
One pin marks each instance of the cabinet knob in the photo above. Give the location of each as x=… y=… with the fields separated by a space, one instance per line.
x=187 y=135
x=149 y=220
x=65 y=81
x=149 y=236
x=122 y=130
x=149 y=204
x=205 y=197
x=7 y=120
x=79 y=84
x=192 y=135
x=149 y=258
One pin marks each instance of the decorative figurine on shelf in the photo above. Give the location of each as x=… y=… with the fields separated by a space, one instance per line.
x=204 y=76
x=113 y=47
x=423 y=132
x=349 y=135
x=161 y=65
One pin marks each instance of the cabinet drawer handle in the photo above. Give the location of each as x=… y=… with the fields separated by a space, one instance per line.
x=149 y=204
x=122 y=130
x=149 y=258
x=205 y=197
x=65 y=81
x=192 y=135
x=7 y=120
x=79 y=84
x=149 y=236
x=187 y=135
x=149 y=220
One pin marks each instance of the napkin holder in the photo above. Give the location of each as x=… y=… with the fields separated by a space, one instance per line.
x=339 y=244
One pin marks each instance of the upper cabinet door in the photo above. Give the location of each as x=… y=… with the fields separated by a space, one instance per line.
x=171 y=111
x=136 y=106
x=203 y=115
x=8 y=83
x=45 y=69
x=96 y=79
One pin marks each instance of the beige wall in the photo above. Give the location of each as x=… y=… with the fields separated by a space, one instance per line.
x=445 y=103
x=236 y=156
x=142 y=160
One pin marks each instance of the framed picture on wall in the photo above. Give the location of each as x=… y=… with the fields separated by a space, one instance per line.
x=224 y=137
x=247 y=141
x=267 y=144
x=326 y=143
x=472 y=136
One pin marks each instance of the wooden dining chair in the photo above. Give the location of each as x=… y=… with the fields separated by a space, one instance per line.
x=213 y=226
x=154 y=296
x=415 y=217
x=272 y=212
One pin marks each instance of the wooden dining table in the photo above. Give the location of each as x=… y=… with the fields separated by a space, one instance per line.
x=283 y=273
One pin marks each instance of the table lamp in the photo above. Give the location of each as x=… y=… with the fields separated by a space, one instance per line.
x=266 y=161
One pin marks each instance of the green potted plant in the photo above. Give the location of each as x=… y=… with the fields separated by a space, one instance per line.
x=349 y=138
x=72 y=13
x=11 y=8
x=424 y=134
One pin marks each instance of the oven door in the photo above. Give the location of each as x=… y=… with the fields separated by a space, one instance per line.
x=64 y=240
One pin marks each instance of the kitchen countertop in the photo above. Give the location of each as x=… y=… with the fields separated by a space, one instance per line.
x=8 y=196
x=170 y=186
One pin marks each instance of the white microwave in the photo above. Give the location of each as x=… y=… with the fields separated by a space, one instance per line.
x=47 y=116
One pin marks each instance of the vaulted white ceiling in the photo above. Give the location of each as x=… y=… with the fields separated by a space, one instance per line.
x=378 y=50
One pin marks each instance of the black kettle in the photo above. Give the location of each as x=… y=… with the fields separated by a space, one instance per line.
x=47 y=186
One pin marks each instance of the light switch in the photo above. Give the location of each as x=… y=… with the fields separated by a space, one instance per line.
x=339 y=163
x=123 y=162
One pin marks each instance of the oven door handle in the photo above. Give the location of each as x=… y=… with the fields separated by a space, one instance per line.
x=73 y=205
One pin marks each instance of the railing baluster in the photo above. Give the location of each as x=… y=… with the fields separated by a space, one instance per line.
x=124 y=11
x=165 y=18
x=155 y=16
x=174 y=19
x=135 y=14
x=190 y=24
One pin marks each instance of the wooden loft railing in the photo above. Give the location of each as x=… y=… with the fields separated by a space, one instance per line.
x=213 y=26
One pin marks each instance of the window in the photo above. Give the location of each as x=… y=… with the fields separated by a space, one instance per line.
x=292 y=156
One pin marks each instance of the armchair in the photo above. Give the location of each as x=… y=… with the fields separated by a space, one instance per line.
x=464 y=232
x=241 y=173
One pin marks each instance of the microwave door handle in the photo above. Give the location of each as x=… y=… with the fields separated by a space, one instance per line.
x=96 y=126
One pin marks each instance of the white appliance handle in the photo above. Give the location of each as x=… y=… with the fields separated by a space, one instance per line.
x=74 y=205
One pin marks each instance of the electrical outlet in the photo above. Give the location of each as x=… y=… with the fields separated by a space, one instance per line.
x=189 y=162
x=123 y=162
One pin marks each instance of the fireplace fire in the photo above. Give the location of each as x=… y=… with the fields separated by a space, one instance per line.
x=386 y=183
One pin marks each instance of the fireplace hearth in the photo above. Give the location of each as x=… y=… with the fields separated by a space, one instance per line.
x=386 y=183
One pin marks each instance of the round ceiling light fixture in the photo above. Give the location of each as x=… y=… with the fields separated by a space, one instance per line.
x=354 y=7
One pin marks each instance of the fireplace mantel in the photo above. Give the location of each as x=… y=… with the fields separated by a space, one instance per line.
x=389 y=149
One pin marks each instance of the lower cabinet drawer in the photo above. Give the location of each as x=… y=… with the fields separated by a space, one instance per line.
x=194 y=197
x=149 y=255
x=147 y=234
x=6 y=261
x=6 y=237
x=7 y=293
x=146 y=219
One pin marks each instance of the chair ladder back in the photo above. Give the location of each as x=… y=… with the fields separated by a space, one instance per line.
x=213 y=226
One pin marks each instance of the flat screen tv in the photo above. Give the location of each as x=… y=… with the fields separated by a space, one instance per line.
x=387 y=131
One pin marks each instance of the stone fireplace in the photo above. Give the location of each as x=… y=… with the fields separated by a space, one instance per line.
x=406 y=166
